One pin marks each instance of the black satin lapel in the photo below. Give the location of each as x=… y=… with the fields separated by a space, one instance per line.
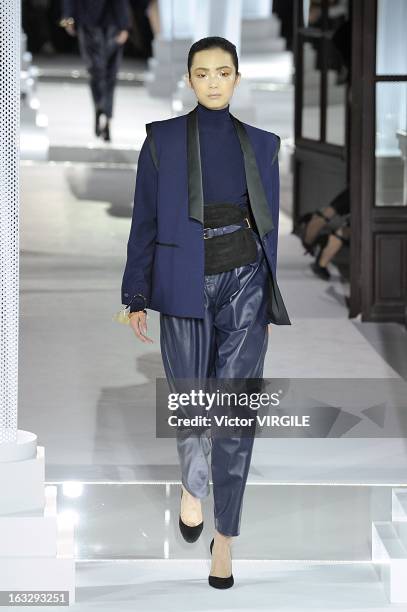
x=258 y=200
x=195 y=189
x=277 y=310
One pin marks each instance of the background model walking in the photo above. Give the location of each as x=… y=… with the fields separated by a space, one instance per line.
x=102 y=27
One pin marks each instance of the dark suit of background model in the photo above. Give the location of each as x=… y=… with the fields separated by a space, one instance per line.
x=97 y=23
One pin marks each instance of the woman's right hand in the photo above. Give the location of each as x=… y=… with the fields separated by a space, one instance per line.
x=138 y=322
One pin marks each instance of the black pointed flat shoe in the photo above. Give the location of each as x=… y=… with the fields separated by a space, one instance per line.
x=216 y=581
x=188 y=532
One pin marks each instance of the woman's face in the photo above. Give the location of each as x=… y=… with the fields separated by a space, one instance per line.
x=213 y=77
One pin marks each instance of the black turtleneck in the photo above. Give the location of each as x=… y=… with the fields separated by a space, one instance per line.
x=222 y=162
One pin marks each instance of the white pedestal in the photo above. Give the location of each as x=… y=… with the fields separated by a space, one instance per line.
x=36 y=545
x=389 y=549
x=261 y=36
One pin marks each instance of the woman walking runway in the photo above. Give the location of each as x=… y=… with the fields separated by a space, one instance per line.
x=202 y=251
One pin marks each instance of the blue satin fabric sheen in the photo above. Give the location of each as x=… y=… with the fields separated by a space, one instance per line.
x=229 y=342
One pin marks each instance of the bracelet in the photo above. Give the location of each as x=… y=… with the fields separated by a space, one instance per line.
x=142 y=296
x=138 y=295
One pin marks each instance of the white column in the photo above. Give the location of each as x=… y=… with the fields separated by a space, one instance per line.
x=9 y=215
x=170 y=47
x=182 y=23
x=215 y=18
x=176 y=18
x=36 y=549
x=257 y=9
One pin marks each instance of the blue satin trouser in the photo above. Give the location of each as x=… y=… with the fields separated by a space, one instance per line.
x=229 y=342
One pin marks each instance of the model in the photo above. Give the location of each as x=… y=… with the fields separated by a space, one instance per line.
x=102 y=28
x=202 y=251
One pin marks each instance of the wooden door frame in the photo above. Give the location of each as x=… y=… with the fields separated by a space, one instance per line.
x=368 y=221
x=356 y=158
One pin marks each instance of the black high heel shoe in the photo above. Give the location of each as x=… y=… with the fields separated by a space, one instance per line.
x=216 y=581
x=190 y=534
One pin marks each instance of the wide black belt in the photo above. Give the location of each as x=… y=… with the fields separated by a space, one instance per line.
x=229 y=239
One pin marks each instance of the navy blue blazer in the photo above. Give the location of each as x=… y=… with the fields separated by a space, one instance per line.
x=165 y=250
x=89 y=12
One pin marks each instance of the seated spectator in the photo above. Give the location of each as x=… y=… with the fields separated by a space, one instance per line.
x=324 y=231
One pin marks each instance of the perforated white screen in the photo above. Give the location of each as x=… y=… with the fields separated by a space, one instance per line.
x=9 y=211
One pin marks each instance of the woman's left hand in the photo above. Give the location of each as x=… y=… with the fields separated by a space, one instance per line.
x=122 y=37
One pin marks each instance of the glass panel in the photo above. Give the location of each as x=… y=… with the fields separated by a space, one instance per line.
x=311 y=14
x=338 y=63
x=311 y=90
x=391 y=48
x=391 y=144
x=335 y=111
